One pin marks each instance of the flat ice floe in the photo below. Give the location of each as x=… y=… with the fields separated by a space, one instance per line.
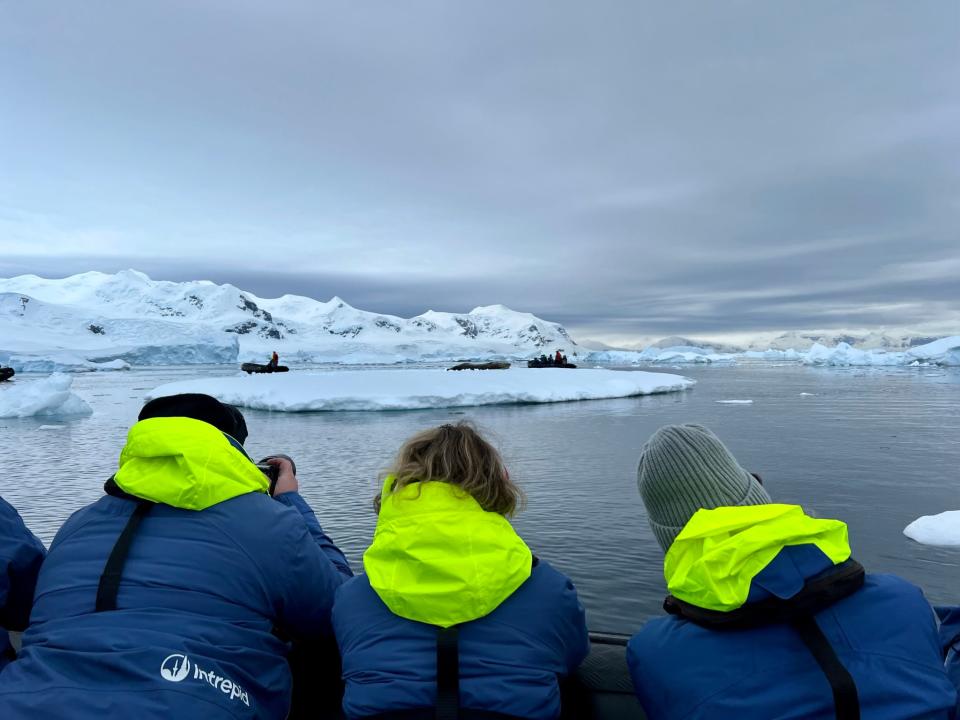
x=423 y=388
x=942 y=529
x=735 y=402
x=47 y=397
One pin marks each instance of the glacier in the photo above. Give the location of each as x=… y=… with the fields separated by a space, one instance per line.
x=49 y=396
x=126 y=316
x=414 y=389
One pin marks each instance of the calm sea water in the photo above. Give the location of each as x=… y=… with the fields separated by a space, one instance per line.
x=876 y=448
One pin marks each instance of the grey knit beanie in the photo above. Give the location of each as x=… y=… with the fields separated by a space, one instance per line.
x=685 y=468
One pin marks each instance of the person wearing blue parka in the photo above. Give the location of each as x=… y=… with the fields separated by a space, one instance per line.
x=450 y=586
x=950 y=643
x=21 y=555
x=174 y=595
x=769 y=615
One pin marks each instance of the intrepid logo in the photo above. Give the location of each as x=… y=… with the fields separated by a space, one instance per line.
x=177 y=667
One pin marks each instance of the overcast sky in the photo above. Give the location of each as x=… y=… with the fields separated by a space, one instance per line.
x=631 y=169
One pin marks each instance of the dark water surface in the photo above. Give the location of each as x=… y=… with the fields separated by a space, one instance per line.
x=876 y=448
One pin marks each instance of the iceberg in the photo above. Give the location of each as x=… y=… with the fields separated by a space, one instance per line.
x=54 y=362
x=942 y=530
x=50 y=396
x=945 y=351
x=654 y=355
x=413 y=389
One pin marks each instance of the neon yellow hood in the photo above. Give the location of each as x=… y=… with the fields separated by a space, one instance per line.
x=437 y=557
x=185 y=463
x=718 y=553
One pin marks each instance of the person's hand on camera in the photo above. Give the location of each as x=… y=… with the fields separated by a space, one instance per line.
x=287 y=481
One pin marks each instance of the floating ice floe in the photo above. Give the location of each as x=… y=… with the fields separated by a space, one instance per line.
x=411 y=389
x=735 y=402
x=46 y=397
x=942 y=530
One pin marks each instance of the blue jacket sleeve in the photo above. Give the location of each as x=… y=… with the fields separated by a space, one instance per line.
x=339 y=560
x=573 y=631
x=950 y=642
x=21 y=555
x=312 y=569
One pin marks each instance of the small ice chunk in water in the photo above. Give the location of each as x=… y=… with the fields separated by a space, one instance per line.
x=806 y=394
x=942 y=530
x=48 y=396
x=735 y=402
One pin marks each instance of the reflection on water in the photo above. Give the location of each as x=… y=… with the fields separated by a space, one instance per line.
x=876 y=448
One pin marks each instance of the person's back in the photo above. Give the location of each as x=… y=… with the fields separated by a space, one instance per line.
x=883 y=635
x=950 y=643
x=21 y=555
x=440 y=560
x=213 y=569
x=770 y=615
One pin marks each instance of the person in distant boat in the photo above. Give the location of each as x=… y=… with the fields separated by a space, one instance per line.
x=448 y=573
x=558 y=359
x=21 y=555
x=564 y=358
x=544 y=359
x=768 y=613
x=173 y=594
x=274 y=361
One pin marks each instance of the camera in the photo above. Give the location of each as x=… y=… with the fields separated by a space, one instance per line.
x=272 y=472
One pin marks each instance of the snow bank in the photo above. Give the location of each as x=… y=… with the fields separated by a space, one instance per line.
x=942 y=529
x=49 y=396
x=422 y=388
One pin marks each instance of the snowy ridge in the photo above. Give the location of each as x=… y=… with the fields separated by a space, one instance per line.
x=413 y=389
x=97 y=317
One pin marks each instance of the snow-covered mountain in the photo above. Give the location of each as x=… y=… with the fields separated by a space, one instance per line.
x=97 y=317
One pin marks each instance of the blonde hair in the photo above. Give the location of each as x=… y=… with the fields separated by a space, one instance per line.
x=458 y=455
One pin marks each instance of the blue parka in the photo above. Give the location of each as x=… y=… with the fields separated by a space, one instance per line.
x=439 y=560
x=201 y=594
x=950 y=642
x=21 y=555
x=728 y=559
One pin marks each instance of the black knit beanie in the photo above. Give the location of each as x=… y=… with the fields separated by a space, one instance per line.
x=198 y=406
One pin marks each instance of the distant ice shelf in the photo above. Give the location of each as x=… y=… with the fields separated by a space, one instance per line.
x=412 y=389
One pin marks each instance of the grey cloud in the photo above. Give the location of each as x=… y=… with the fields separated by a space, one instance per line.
x=624 y=169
